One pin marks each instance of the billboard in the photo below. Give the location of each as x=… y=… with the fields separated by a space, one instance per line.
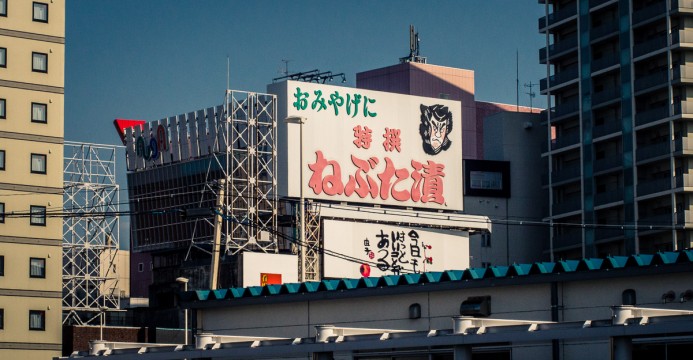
x=382 y=249
x=357 y=145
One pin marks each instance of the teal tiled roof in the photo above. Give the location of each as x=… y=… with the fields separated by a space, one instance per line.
x=471 y=274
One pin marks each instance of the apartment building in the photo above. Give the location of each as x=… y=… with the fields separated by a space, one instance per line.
x=32 y=58
x=618 y=145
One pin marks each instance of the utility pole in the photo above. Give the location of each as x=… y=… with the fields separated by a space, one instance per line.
x=218 y=221
x=531 y=94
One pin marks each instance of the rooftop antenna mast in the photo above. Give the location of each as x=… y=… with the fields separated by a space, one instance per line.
x=414 y=48
x=531 y=94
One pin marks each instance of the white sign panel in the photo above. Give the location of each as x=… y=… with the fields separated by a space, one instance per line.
x=368 y=146
x=258 y=268
x=376 y=249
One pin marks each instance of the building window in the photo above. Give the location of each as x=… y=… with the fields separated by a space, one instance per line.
x=3 y=109
x=38 y=164
x=37 y=268
x=39 y=113
x=2 y=319
x=3 y=7
x=2 y=159
x=37 y=320
x=140 y=267
x=486 y=240
x=38 y=215
x=3 y=57
x=2 y=213
x=39 y=62
x=2 y=265
x=40 y=12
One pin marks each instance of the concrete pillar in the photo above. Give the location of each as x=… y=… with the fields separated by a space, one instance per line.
x=462 y=352
x=622 y=348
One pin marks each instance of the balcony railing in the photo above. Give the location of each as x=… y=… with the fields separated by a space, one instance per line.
x=650 y=45
x=567 y=206
x=565 y=109
x=684 y=217
x=559 y=47
x=610 y=162
x=608 y=197
x=653 y=186
x=682 y=73
x=607 y=233
x=610 y=93
x=651 y=80
x=609 y=28
x=566 y=139
x=559 y=78
x=651 y=151
x=651 y=115
x=655 y=220
x=684 y=180
x=610 y=126
x=567 y=173
x=569 y=237
x=604 y=62
x=683 y=144
x=649 y=12
x=559 y=15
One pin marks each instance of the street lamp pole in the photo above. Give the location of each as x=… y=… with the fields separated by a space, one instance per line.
x=184 y=281
x=302 y=236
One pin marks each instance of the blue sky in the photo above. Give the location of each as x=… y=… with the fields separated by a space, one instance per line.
x=151 y=59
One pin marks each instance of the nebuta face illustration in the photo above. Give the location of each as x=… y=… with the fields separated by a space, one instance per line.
x=436 y=123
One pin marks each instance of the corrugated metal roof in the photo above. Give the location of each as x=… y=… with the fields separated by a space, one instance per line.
x=471 y=274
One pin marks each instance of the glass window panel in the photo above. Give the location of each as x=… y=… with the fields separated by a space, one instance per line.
x=39 y=62
x=3 y=57
x=40 y=12
x=37 y=320
x=2 y=219
x=38 y=163
x=3 y=7
x=2 y=159
x=37 y=268
x=38 y=112
x=3 y=110
x=38 y=215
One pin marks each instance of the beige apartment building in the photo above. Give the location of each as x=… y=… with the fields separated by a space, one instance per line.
x=32 y=68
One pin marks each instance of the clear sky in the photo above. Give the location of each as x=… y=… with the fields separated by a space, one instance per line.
x=138 y=59
x=150 y=59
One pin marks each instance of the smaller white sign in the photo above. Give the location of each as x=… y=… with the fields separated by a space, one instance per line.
x=256 y=264
x=374 y=250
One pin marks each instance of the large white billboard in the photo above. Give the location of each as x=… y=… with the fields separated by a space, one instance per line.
x=355 y=145
x=379 y=249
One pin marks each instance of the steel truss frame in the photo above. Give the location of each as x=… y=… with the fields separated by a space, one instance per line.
x=90 y=232
x=249 y=165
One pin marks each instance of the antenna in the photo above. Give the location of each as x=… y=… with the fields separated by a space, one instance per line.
x=531 y=94
x=285 y=72
x=228 y=72
x=517 y=80
x=414 y=48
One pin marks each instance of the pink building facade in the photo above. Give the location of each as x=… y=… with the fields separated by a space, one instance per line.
x=440 y=82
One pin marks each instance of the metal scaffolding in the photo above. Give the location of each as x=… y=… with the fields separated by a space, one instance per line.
x=248 y=165
x=90 y=232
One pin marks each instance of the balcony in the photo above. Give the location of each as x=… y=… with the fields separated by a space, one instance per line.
x=684 y=145
x=565 y=109
x=610 y=28
x=651 y=115
x=608 y=197
x=651 y=80
x=568 y=173
x=568 y=205
x=682 y=4
x=652 y=151
x=558 y=16
x=611 y=126
x=682 y=73
x=648 y=187
x=604 y=62
x=569 y=237
x=565 y=139
x=684 y=180
x=649 y=12
x=595 y=3
x=607 y=233
x=559 y=47
x=610 y=162
x=656 y=220
x=684 y=218
x=560 y=78
x=646 y=47
x=612 y=93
